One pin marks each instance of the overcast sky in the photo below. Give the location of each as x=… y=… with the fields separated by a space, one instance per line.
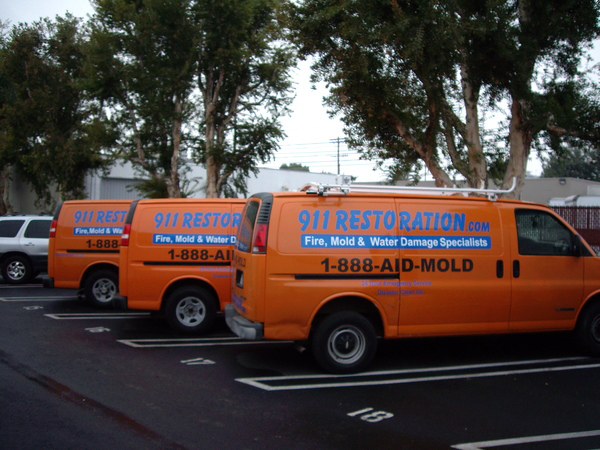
x=311 y=133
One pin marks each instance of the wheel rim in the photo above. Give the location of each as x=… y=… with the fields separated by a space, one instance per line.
x=596 y=328
x=15 y=270
x=190 y=311
x=104 y=290
x=346 y=344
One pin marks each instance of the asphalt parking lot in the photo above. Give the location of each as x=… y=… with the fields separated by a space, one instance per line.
x=76 y=377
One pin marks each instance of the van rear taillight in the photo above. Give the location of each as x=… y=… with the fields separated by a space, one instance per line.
x=53 y=228
x=260 y=238
x=125 y=235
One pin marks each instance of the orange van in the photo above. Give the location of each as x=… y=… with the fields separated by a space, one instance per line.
x=176 y=257
x=340 y=269
x=83 y=250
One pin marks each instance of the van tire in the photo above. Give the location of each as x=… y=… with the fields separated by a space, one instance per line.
x=191 y=309
x=16 y=269
x=588 y=329
x=101 y=287
x=344 y=329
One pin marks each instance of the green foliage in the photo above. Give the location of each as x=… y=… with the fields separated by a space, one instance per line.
x=243 y=77
x=295 y=166
x=152 y=188
x=208 y=78
x=141 y=63
x=575 y=164
x=411 y=79
x=49 y=130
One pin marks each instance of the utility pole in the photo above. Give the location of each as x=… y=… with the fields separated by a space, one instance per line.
x=338 y=154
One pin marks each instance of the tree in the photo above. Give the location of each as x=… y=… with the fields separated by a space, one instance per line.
x=50 y=133
x=574 y=135
x=141 y=63
x=575 y=163
x=295 y=166
x=414 y=80
x=201 y=78
x=243 y=75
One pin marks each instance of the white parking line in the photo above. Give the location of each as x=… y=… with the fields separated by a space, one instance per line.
x=526 y=440
x=36 y=299
x=298 y=382
x=94 y=316
x=192 y=342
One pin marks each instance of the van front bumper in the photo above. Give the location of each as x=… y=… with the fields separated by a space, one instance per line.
x=47 y=282
x=242 y=327
x=119 y=302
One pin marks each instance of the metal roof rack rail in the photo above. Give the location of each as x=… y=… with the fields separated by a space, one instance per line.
x=343 y=189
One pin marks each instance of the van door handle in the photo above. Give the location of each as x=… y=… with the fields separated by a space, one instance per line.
x=516 y=269
x=500 y=268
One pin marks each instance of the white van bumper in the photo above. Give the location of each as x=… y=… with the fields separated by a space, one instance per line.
x=242 y=327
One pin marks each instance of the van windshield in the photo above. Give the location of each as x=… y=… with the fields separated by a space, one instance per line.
x=246 y=230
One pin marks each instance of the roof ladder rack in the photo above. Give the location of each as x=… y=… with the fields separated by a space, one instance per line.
x=325 y=190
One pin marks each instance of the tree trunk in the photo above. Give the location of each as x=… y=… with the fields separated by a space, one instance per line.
x=173 y=188
x=212 y=178
x=5 y=206
x=520 y=145
x=427 y=155
x=477 y=170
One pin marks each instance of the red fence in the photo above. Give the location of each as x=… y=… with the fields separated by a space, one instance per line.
x=585 y=219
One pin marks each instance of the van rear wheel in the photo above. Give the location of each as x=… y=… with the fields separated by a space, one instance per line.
x=588 y=330
x=101 y=287
x=191 y=309
x=344 y=342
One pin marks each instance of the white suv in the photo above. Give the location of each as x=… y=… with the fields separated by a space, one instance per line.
x=23 y=247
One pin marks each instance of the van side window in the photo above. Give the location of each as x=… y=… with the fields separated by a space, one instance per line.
x=540 y=233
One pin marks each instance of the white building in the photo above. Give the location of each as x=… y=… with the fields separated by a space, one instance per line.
x=119 y=183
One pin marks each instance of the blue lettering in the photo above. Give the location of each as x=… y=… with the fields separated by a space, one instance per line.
x=197 y=219
x=237 y=219
x=459 y=221
x=187 y=220
x=389 y=220
x=354 y=219
x=418 y=222
x=367 y=223
x=404 y=221
x=100 y=218
x=377 y=215
x=342 y=217
x=429 y=215
x=446 y=221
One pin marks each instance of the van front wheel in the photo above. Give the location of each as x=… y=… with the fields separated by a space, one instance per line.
x=588 y=330
x=191 y=309
x=344 y=342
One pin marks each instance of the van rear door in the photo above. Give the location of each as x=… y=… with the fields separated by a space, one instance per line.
x=249 y=257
